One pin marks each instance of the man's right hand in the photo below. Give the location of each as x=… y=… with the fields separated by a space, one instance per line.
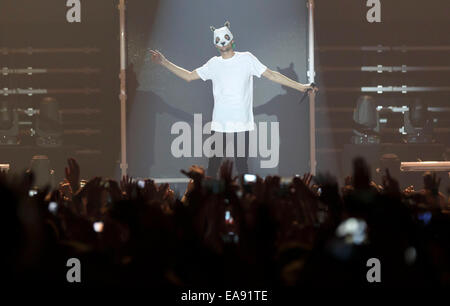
x=157 y=57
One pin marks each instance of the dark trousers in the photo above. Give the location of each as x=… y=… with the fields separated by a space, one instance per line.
x=240 y=162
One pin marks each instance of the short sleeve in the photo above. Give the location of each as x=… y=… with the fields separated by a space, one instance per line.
x=204 y=72
x=256 y=67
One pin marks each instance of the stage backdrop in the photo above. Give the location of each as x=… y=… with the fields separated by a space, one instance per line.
x=274 y=31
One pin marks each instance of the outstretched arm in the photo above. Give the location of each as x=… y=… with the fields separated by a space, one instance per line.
x=279 y=78
x=159 y=58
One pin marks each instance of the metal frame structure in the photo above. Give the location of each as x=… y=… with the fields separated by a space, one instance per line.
x=123 y=92
x=312 y=96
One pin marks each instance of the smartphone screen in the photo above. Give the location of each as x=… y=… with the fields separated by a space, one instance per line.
x=82 y=183
x=249 y=178
x=98 y=226
x=141 y=184
x=425 y=217
x=53 y=207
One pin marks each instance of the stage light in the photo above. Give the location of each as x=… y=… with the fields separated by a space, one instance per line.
x=4 y=168
x=48 y=124
x=366 y=124
x=417 y=123
x=9 y=124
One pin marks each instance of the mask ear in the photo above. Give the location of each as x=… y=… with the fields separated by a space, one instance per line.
x=227 y=24
x=212 y=28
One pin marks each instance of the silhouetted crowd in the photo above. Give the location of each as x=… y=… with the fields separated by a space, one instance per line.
x=306 y=232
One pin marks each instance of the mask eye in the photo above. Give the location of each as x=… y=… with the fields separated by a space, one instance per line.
x=227 y=37
x=217 y=39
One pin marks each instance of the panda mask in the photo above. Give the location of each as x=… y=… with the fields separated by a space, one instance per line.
x=223 y=35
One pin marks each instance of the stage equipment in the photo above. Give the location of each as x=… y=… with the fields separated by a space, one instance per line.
x=312 y=95
x=48 y=124
x=45 y=91
x=31 y=50
x=9 y=124
x=383 y=155
x=418 y=124
x=123 y=92
x=382 y=68
x=308 y=91
x=381 y=48
x=30 y=70
x=366 y=126
x=404 y=89
x=436 y=166
x=4 y=168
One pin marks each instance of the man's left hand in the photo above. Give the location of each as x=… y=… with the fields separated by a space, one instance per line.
x=304 y=87
x=314 y=88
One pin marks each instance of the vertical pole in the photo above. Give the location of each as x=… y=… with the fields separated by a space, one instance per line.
x=123 y=92
x=312 y=95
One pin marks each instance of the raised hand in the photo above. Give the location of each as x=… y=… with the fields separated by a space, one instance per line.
x=307 y=87
x=312 y=87
x=73 y=174
x=27 y=181
x=348 y=181
x=162 y=192
x=92 y=191
x=126 y=185
x=157 y=57
x=114 y=190
x=431 y=183
x=361 y=174
x=302 y=185
x=307 y=179
x=305 y=198
x=195 y=172
x=226 y=170
x=390 y=185
x=409 y=190
x=65 y=190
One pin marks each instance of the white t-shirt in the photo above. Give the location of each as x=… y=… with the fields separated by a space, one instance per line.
x=232 y=80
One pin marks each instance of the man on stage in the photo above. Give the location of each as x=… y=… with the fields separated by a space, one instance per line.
x=232 y=77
